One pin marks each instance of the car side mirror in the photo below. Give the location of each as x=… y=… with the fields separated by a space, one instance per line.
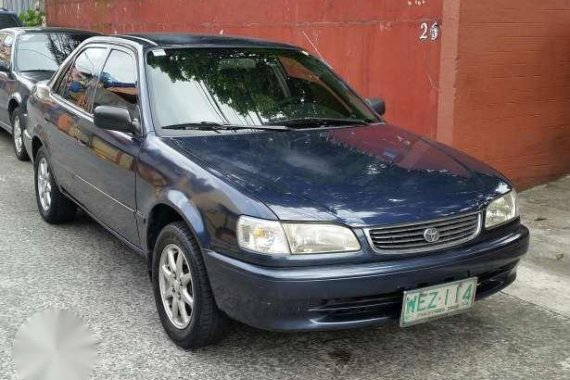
x=378 y=105
x=42 y=89
x=113 y=119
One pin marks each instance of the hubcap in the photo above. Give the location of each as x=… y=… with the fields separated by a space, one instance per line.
x=44 y=183
x=176 y=286
x=17 y=134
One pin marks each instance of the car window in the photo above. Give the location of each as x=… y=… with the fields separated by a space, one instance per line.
x=81 y=77
x=45 y=51
x=9 y=20
x=6 y=50
x=117 y=84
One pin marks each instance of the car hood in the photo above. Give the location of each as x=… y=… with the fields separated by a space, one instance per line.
x=29 y=78
x=36 y=76
x=359 y=176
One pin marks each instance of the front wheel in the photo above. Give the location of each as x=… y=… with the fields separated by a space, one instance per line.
x=18 y=136
x=182 y=291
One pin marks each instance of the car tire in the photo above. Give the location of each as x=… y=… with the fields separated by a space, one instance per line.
x=54 y=207
x=18 y=135
x=193 y=324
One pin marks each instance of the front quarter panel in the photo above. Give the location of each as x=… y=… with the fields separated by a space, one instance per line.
x=22 y=93
x=35 y=108
x=209 y=204
x=17 y=95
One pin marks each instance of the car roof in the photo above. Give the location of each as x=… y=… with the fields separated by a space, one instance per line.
x=168 y=40
x=30 y=29
x=7 y=11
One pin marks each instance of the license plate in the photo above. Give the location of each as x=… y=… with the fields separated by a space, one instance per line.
x=421 y=305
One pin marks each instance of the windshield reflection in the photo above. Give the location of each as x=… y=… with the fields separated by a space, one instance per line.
x=45 y=51
x=247 y=87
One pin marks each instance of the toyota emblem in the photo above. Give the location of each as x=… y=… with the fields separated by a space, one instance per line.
x=431 y=235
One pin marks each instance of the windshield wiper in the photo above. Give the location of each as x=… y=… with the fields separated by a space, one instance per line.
x=213 y=126
x=318 y=122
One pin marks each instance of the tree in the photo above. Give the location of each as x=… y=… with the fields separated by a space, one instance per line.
x=32 y=17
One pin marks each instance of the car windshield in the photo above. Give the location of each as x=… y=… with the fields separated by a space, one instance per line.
x=257 y=86
x=45 y=51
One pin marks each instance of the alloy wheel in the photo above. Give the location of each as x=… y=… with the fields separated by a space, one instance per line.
x=176 y=286
x=44 y=184
x=17 y=135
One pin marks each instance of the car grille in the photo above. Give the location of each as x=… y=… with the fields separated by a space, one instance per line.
x=409 y=238
x=386 y=306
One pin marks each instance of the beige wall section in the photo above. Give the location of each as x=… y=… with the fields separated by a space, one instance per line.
x=448 y=71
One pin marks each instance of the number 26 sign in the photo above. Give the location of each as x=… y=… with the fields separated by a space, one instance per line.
x=429 y=32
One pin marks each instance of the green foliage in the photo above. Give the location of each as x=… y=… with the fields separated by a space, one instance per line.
x=233 y=90
x=268 y=85
x=32 y=17
x=242 y=80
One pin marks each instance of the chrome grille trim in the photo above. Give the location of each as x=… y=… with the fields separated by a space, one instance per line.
x=409 y=238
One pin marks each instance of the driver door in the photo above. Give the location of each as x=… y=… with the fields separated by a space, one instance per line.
x=106 y=167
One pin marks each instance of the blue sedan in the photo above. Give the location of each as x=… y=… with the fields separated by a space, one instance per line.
x=260 y=187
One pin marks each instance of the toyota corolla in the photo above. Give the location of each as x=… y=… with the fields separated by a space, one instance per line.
x=260 y=187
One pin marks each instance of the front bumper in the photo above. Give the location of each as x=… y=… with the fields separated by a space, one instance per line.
x=351 y=296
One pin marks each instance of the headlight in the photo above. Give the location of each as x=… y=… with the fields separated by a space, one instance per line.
x=320 y=238
x=263 y=236
x=271 y=237
x=502 y=210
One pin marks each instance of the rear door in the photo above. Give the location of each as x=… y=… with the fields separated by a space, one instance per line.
x=73 y=93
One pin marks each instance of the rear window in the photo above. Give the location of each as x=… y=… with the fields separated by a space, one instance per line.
x=9 y=20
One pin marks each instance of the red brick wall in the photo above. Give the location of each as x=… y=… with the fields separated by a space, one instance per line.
x=497 y=84
x=512 y=105
x=374 y=44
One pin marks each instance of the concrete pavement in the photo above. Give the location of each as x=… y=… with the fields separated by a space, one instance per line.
x=520 y=334
x=544 y=275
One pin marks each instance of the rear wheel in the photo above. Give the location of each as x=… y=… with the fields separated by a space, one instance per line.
x=182 y=291
x=54 y=207
x=18 y=135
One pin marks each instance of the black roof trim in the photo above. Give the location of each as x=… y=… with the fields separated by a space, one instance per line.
x=188 y=39
x=136 y=38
